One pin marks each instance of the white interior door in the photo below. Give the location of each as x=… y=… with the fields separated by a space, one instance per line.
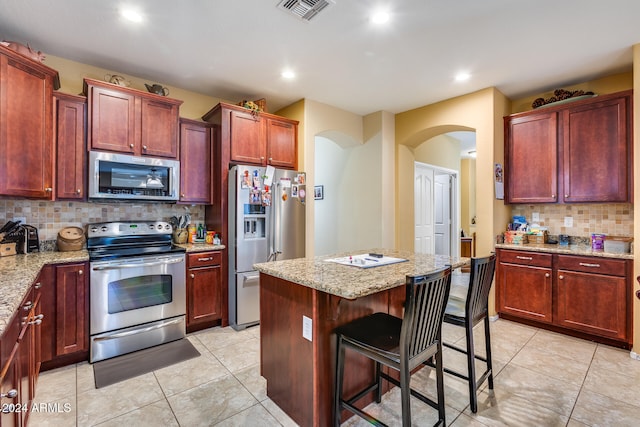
x=423 y=202
x=442 y=217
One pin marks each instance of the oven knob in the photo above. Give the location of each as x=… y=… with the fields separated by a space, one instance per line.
x=167 y=227
x=94 y=229
x=150 y=226
x=104 y=228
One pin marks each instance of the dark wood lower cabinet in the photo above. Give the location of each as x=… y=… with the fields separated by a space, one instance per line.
x=583 y=296
x=66 y=315
x=204 y=290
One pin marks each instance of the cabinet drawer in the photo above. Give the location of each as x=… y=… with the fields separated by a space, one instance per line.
x=202 y=259
x=525 y=258
x=612 y=267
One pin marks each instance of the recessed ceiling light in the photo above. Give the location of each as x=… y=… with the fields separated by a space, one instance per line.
x=380 y=17
x=288 y=74
x=131 y=15
x=463 y=76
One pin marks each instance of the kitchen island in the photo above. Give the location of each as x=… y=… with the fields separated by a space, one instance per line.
x=302 y=301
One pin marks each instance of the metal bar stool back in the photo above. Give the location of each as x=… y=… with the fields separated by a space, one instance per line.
x=467 y=313
x=401 y=344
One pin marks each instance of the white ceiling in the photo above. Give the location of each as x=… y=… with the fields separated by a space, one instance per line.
x=236 y=49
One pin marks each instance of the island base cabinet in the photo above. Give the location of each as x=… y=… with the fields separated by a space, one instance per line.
x=298 y=361
x=593 y=303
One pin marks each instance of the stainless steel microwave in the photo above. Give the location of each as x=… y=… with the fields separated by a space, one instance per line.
x=123 y=177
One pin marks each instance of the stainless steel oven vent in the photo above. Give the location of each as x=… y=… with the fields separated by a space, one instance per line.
x=304 y=9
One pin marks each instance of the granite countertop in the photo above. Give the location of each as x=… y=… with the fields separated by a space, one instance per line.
x=18 y=272
x=582 y=250
x=352 y=282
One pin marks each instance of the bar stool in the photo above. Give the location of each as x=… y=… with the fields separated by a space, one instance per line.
x=467 y=313
x=401 y=344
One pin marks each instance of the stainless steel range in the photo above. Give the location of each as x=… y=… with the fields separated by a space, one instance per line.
x=138 y=287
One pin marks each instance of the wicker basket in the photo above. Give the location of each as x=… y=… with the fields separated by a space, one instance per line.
x=70 y=239
x=538 y=238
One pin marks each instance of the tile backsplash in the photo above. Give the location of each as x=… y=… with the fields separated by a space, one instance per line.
x=50 y=217
x=611 y=219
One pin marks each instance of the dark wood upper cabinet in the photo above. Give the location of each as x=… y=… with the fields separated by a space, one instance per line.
x=195 y=162
x=70 y=146
x=131 y=121
x=246 y=138
x=26 y=126
x=575 y=152
x=282 y=143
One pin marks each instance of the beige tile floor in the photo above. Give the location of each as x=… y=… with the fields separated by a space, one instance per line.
x=541 y=379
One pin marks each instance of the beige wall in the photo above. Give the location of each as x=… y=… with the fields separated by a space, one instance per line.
x=481 y=111
x=467 y=195
x=441 y=150
x=72 y=74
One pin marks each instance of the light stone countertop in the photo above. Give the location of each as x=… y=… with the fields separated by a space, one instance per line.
x=18 y=272
x=582 y=250
x=352 y=282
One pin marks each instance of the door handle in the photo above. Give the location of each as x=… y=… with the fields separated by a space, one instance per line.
x=138 y=331
x=250 y=278
x=145 y=264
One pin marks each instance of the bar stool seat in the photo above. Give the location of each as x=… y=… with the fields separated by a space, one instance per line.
x=401 y=344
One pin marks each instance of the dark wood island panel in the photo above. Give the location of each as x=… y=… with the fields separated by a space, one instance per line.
x=299 y=371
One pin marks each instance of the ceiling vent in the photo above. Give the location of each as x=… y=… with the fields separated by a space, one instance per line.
x=304 y=9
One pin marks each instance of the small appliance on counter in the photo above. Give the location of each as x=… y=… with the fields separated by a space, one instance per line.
x=16 y=238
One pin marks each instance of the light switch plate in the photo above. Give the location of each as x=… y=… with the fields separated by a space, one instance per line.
x=568 y=221
x=535 y=217
x=307 y=328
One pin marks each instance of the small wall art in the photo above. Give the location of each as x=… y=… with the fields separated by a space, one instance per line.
x=318 y=192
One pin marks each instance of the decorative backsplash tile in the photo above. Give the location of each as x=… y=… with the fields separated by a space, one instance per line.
x=611 y=219
x=50 y=217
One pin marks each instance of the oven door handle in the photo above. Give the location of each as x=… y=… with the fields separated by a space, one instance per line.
x=139 y=331
x=146 y=264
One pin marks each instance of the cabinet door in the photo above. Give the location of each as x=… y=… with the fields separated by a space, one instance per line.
x=159 y=129
x=204 y=286
x=195 y=163
x=531 y=159
x=112 y=117
x=593 y=303
x=10 y=385
x=71 y=308
x=247 y=140
x=597 y=152
x=281 y=144
x=71 y=150
x=525 y=291
x=26 y=131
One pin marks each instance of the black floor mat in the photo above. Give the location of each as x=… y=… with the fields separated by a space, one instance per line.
x=131 y=365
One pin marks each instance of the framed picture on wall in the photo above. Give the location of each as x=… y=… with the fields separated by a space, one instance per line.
x=318 y=192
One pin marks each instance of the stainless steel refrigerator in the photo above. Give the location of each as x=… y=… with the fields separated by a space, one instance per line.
x=266 y=223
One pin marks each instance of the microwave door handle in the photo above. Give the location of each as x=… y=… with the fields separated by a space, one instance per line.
x=146 y=264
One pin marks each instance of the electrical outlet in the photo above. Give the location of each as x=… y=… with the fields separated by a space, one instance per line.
x=22 y=219
x=307 y=328
x=568 y=221
x=535 y=217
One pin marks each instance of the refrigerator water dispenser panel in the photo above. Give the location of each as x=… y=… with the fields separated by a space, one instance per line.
x=254 y=228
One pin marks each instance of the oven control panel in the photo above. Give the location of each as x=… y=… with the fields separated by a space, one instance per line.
x=129 y=228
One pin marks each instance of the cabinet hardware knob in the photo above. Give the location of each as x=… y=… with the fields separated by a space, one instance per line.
x=78 y=191
x=553 y=196
x=181 y=194
x=10 y=394
x=144 y=147
x=261 y=157
x=28 y=306
x=48 y=189
x=36 y=322
x=39 y=316
x=547 y=275
x=193 y=276
x=566 y=196
x=130 y=145
x=561 y=277
x=270 y=159
x=80 y=272
x=37 y=285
